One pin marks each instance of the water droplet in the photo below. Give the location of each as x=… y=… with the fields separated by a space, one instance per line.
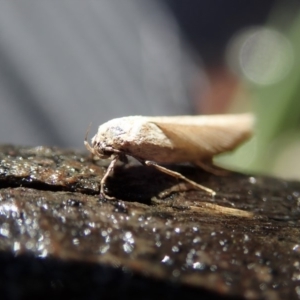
x=246 y=238
x=222 y=243
x=158 y=243
x=296 y=276
x=87 y=231
x=44 y=253
x=175 y=249
x=128 y=248
x=28 y=221
x=92 y=224
x=165 y=259
x=128 y=237
x=296 y=248
x=4 y=232
x=213 y=268
x=75 y=241
x=197 y=240
x=168 y=234
x=29 y=245
x=262 y=286
x=257 y=253
x=198 y=265
x=104 y=248
x=16 y=246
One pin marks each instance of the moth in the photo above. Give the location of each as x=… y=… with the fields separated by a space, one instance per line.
x=169 y=140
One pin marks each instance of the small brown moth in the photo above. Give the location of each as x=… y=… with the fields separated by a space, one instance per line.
x=165 y=140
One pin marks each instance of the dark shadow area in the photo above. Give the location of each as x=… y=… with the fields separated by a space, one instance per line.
x=27 y=277
x=142 y=183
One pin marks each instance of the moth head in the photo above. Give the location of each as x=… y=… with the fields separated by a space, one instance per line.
x=104 y=144
x=97 y=147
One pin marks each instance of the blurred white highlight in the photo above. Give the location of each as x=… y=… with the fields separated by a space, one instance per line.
x=261 y=55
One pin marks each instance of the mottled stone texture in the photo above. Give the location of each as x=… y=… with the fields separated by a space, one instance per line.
x=59 y=238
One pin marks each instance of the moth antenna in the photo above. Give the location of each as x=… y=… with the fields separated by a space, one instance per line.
x=86 y=143
x=180 y=176
x=88 y=130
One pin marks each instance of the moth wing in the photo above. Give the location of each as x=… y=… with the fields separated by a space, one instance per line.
x=198 y=137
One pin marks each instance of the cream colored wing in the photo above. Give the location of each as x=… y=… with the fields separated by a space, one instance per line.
x=202 y=137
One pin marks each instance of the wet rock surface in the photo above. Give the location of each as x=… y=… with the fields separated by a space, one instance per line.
x=59 y=238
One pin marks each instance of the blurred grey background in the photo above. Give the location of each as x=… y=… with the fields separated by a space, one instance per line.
x=67 y=63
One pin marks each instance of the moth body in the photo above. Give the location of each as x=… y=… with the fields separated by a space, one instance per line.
x=133 y=136
x=165 y=140
x=173 y=139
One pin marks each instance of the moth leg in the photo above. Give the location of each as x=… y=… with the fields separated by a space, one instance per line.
x=103 y=180
x=180 y=176
x=209 y=167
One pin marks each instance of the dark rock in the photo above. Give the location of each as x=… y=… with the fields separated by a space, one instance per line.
x=58 y=238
